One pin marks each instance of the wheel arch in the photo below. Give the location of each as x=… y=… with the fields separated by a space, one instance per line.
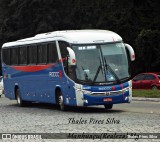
x=153 y=85
x=58 y=90
x=15 y=89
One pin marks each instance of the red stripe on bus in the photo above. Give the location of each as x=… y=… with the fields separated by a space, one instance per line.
x=122 y=86
x=33 y=68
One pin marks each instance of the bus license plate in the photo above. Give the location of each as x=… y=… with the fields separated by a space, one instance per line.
x=107 y=99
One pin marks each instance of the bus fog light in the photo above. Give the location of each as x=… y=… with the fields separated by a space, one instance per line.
x=86 y=101
x=126 y=98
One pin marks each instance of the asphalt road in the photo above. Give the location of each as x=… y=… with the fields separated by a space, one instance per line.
x=137 y=117
x=140 y=107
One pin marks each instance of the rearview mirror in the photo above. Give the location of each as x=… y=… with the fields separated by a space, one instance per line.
x=72 y=57
x=131 y=52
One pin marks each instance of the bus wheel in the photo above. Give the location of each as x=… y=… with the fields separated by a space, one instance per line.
x=108 y=106
x=20 y=102
x=61 y=102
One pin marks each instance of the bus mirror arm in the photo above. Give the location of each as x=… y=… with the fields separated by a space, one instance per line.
x=131 y=52
x=71 y=57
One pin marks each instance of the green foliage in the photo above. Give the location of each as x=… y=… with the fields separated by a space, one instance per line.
x=148 y=50
x=146 y=93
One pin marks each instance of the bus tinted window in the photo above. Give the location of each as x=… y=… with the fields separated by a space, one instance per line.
x=23 y=55
x=63 y=48
x=42 y=53
x=52 y=53
x=32 y=54
x=14 y=56
x=6 y=56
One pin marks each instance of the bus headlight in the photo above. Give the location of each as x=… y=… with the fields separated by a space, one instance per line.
x=87 y=92
x=82 y=91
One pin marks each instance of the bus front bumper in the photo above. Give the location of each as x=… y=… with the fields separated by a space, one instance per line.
x=104 y=100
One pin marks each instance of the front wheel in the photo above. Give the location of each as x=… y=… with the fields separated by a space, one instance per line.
x=61 y=102
x=108 y=106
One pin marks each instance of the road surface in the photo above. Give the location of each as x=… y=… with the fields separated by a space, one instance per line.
x=137 y=117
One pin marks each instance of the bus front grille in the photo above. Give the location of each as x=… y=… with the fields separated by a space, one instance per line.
x=111 y=93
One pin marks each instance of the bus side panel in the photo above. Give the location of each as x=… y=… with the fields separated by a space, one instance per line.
x=69 y=93
x=9 y=89
x=38 y=90
x=40 y=86
x=9 y=83
x=33 y=86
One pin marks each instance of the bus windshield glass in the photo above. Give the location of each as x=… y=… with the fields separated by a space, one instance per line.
x=101 y=63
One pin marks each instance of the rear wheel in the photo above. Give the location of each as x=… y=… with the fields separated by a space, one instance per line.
x=3 y=91
x=108 y=106
x=20 y=102
x=154 y=88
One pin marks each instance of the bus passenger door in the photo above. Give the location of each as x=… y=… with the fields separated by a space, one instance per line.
x=69 y=73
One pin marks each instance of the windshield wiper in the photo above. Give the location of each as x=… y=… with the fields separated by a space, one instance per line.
x=98 y=70
x=111 y=70
x=107 y=68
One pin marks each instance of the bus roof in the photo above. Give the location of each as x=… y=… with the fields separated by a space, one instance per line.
x=71 y=36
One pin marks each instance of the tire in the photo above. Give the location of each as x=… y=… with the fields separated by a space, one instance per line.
x=61 y=102
x=20 y=102
x=154 y=88
x=108 y=106
x=3 y=91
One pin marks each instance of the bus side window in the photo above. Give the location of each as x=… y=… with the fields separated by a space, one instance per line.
x=32 y=54
x=42 y=54
x=63 y=48
x=14 y=56
x=64 y=53
x=52 y=53
x=23 y=55
x=6 y=56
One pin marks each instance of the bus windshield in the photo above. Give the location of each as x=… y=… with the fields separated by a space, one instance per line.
x=101 y=63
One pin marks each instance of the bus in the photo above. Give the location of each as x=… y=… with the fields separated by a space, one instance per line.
x=68 y=68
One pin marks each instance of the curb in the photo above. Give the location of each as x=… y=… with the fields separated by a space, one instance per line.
x=146 y=99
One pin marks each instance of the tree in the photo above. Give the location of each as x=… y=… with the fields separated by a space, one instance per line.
x=148 y=51
x=25 y=18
